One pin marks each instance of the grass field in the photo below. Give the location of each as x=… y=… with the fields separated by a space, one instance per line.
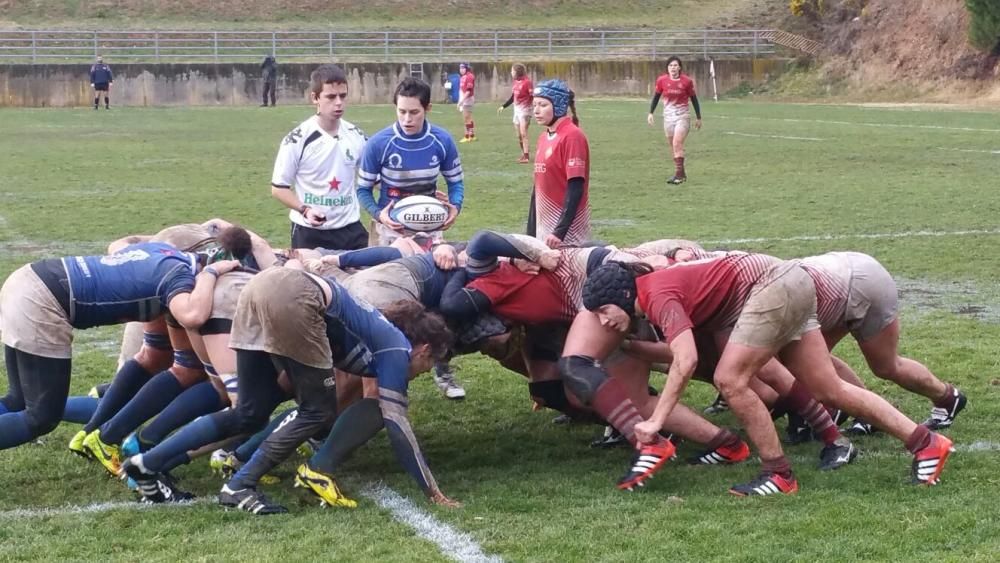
x=915 y=188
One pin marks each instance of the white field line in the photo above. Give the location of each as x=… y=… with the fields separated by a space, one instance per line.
x=455 y=545
x=960 y=449
x=773 y=136
x=860 y=123
x=69 y=510
x=849 y=236
x=968 y=150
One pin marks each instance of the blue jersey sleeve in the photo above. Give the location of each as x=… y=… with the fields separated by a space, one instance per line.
x=178 y=280
x=451 y=170
x=369 y=173
x=372 y=256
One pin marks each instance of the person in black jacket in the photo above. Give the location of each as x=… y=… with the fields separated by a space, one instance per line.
x=101 y=80
x=269 y=74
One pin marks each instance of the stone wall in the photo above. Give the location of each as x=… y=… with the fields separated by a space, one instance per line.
x=67 y=85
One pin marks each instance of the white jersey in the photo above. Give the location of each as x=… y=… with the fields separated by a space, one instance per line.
x=321 y=168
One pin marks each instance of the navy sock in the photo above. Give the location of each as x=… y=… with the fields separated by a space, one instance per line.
x=176 y=461
x=201 y=432
x=127 y=382
x=358 y=424
x=14 y=429
x=247 y=448
x=80 y=409
x=199 y=399
x=154 y=396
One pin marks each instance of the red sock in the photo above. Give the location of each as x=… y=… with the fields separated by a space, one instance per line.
x=612 y=403
x=472 y=128
x=724 y=437
x=679 y=167
x=803 y=404
x=948 y=399
x=777 y=465
x=920 y=439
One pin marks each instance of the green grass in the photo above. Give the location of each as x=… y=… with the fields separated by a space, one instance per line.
x=76 y=179
x=383 y=14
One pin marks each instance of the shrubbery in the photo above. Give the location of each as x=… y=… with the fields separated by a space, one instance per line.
x=984 y=23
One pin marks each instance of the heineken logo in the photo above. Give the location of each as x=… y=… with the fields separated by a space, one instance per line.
x=339 y=201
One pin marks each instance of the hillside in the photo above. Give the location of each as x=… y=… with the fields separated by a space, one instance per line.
x=379 y=14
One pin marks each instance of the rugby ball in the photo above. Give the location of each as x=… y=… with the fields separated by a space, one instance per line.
x=420 y=213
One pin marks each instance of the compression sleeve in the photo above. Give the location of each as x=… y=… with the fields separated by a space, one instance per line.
x=459 y=302
x=367 y=200
x=486 y=246
x=509 y=101
x=653 y=102
x=394 y=406
x=697 y=107
x=372 y=256
x=531 y=228
x=574 y=195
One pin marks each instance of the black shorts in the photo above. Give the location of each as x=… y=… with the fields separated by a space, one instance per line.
x=101 y=86
x=351 y=237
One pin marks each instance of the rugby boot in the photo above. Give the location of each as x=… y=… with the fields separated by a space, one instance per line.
x=249 y=500
x=944 y=417
x=766 y=484
x=723 y=455
x=108 y=455
x=646 y=462
x=929 y=462
x=323 y=486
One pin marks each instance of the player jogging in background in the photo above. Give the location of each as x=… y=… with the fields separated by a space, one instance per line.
x=559 y=213
x=520 y=97
x=315 y=169
x=101 y=80
x=677 y=88
x=466 y=100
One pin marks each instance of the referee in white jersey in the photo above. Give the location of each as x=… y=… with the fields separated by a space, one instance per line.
x=315 y=169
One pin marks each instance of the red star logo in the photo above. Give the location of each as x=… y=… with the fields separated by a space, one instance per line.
x=335 y=184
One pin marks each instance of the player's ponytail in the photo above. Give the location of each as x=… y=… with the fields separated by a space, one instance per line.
x=572 y=107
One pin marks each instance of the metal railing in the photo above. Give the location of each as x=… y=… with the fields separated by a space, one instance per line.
x=378 y=46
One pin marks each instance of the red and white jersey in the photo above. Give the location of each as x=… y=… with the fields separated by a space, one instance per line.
x=562 y=154
x=522 y=298
x=321 y=168
x=676 y=94
x=467 y=83
x=521 y=90
x=831 y=274
x=702 y=294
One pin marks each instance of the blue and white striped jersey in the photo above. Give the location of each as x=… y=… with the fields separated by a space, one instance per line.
x=409 y=165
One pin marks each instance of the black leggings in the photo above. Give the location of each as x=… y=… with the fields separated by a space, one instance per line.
x=38 y=386
x=314 y=392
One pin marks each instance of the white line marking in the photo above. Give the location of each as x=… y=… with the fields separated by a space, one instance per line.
x=968 y=150
x=847 y=236
x=92 y=508
x=773 y=136
x=860 y=123
x=454 y=544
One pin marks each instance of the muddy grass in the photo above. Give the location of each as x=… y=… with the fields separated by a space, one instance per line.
x=965 y=298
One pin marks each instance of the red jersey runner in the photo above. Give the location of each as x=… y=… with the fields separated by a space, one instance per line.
x=676 y=94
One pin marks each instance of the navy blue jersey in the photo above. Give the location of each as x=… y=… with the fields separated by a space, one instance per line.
x=364 y=342
x=430 y=279
x=134 y=284
x=100 y=73
x=408 y=165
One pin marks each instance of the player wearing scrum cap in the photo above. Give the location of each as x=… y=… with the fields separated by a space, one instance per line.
x=315 y=169
x=560 y=211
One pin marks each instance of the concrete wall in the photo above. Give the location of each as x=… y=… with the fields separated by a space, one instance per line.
x=67 y=85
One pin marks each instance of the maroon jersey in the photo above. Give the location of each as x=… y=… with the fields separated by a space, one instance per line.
x=704 y=294
x=467 y=83
x=520 y=297
x=561 y=154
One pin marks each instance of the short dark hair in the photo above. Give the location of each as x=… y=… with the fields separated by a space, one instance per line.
x=411 y=87
x=420 y=326
x=675 y=58
x=326 y=74
x=519 y=70
x=236 y=241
